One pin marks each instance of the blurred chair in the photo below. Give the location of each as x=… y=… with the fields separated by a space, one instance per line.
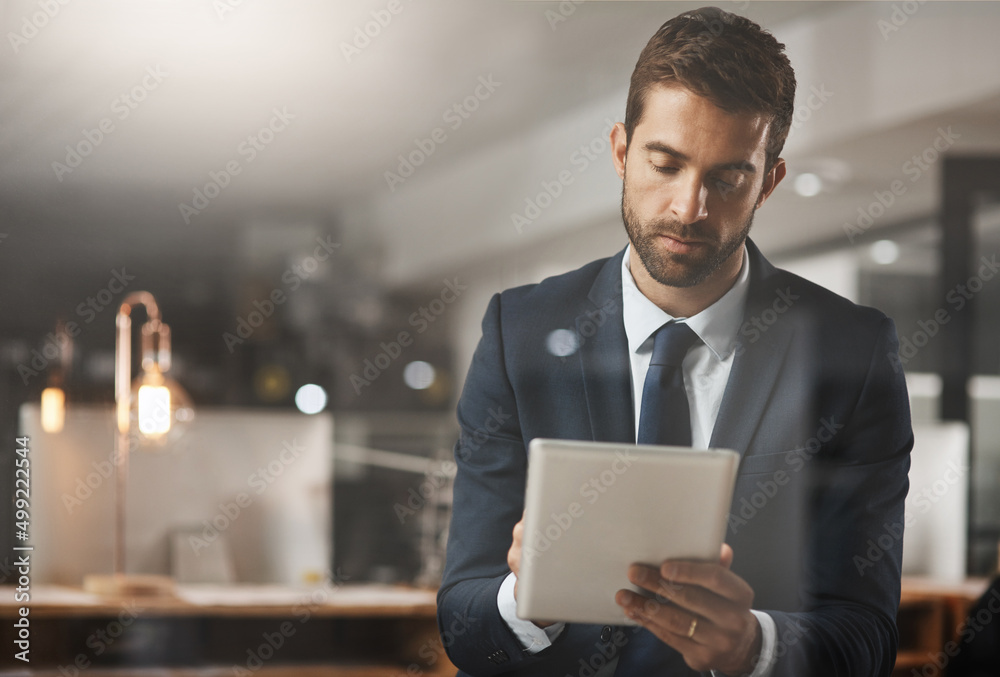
x=979 y=640
x=936 y=526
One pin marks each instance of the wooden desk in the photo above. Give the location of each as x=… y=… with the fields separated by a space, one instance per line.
x=351 y=630
x=930 y=614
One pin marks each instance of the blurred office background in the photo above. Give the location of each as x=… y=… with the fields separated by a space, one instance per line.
x=328 y=193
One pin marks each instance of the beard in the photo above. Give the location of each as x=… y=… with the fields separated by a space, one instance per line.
x=675 y=269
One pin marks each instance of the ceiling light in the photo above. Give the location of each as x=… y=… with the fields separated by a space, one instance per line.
x=310 y=399
x=884 y=252
x=808 y=184
x=419 y=375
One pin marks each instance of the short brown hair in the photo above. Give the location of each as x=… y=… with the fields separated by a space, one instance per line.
x=729 y=60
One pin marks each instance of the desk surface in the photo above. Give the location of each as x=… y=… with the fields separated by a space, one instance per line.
x=350 y=600
x=916 y=587
x=347 y=601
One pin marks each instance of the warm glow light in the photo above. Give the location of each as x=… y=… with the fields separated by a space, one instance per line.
x=154 y=410
x=53 y=409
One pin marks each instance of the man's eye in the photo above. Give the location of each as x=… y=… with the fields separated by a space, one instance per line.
x=726 y=186
x=665 y=170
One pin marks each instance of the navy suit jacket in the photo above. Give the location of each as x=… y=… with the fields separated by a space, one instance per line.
x=816 y=405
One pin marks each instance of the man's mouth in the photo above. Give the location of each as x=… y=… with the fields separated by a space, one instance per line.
x=680 y=246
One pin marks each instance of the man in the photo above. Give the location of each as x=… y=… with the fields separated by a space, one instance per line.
x=796 y=379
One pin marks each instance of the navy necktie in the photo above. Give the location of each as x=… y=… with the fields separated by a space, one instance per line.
x=665 y=417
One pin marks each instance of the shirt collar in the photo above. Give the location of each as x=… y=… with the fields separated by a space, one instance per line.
x=716 y=325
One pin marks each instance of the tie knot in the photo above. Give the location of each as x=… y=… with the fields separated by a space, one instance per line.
x=671 y=344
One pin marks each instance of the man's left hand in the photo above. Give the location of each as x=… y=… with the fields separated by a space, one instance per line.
x=702 y=597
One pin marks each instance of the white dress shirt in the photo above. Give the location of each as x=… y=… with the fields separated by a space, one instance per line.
x=706 y=370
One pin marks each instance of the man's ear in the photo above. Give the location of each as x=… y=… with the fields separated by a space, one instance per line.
x=771 y=181
x=619 y=147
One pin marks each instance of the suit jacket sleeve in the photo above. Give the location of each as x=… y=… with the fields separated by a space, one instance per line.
x=488 y=502
x=854 y=540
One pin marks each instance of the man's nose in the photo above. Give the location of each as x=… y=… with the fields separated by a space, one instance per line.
x=689 y=204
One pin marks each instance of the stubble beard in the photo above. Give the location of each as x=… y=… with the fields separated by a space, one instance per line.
x=674 y=269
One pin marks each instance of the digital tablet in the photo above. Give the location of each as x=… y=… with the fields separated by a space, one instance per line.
x=593 y=508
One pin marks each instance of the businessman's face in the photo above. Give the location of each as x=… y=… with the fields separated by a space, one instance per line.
x=693 y=176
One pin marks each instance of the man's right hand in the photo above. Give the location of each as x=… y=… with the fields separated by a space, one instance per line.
x=514 y=560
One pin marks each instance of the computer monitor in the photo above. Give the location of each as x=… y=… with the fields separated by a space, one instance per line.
x=248 y=487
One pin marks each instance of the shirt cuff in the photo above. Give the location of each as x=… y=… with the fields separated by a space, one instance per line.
x=532 y=637
x=769 y=638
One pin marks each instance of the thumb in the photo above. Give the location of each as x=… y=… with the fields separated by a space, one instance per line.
x=726 y=556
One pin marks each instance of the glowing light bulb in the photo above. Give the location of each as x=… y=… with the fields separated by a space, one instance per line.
x=154 y=410
x=53 y=409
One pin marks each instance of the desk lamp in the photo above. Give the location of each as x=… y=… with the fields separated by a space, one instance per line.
x=160 y=404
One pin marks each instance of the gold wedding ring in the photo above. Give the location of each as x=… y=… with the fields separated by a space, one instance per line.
x=694 y=626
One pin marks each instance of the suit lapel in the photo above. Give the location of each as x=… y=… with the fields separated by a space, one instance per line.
x=757 y=363
x=604 y=358
x=606 y=368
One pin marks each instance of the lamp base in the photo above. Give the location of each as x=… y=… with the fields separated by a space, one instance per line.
x=124 y=585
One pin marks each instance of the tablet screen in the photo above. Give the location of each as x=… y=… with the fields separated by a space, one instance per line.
x=594 y=508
